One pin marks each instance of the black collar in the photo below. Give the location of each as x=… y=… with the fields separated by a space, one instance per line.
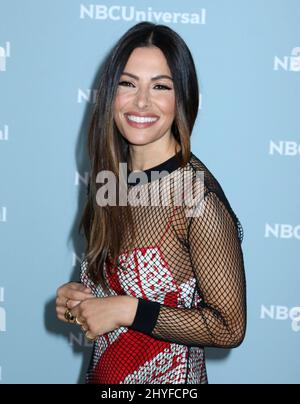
x=169 y=165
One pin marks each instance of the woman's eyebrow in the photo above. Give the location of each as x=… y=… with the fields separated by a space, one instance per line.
x=160 y=76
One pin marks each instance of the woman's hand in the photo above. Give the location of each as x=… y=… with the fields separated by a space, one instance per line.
x=69 y=296
x=97 y=316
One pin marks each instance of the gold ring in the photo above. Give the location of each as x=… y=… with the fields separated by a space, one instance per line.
x=77 y=321
x=88 y=338
x=69 y=316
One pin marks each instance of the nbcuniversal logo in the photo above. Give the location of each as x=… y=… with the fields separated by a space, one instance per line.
x=79 y=340
x=282 y=313
x=2 y=312
x=76 y=259
x=282 y=231
x=3 y=214
x=104 y=12
x=81 y=178
x=284 y=148
x=4 y=133
x=288 y=63
x=2 y=319
x=4 y=54
x=88 y=95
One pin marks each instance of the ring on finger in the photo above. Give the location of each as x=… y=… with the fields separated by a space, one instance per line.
x=69 y=316
x=89 y=338
x=77 y=321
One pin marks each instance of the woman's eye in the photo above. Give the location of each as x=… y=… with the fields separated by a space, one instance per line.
x=122 y=83
x=125 y=84
x=164 y=87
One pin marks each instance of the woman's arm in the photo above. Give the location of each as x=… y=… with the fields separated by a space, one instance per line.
x=217 y=260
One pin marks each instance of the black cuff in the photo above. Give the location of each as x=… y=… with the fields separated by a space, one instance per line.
x=146 y=316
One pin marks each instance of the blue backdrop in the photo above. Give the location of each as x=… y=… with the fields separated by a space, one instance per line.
x=247 y=54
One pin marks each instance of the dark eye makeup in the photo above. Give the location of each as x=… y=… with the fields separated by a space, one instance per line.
x=124 y=83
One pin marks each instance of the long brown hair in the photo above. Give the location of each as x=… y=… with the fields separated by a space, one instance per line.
x=104 y=225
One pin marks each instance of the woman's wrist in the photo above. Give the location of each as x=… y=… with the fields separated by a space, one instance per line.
x=128 y=308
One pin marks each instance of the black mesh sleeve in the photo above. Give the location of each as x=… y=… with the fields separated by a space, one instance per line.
x=218 y=265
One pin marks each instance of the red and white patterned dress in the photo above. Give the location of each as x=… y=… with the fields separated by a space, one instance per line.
x=183 y=289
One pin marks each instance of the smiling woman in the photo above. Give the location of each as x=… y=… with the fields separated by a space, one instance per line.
x=160 y=282
x=146 y=102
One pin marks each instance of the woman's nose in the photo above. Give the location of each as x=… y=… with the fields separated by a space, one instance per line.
x=142 y=98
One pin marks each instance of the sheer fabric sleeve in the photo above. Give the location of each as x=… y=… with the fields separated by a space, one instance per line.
x=217 y=260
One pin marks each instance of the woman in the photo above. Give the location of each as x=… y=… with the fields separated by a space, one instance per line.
x=159 y=281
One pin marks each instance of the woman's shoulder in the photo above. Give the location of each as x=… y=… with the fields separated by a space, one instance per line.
x=208 y=190
x=201 y=172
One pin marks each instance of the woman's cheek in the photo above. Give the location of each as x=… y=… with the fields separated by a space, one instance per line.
x=121 y=99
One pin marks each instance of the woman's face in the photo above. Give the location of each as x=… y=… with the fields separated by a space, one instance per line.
x=144 y=97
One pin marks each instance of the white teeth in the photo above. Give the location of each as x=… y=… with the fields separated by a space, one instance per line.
x=140 y=119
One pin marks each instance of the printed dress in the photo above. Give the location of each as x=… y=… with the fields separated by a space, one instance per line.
x=187 y=270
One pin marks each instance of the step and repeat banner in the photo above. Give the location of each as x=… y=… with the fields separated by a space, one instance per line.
x=247 y=54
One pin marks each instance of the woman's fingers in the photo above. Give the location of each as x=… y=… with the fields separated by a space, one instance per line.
x=78 y=286
x=73 y=293
x=73 y=303
x=60 y=312
x=67 y=303
x=70 y=295
x=73 y=286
